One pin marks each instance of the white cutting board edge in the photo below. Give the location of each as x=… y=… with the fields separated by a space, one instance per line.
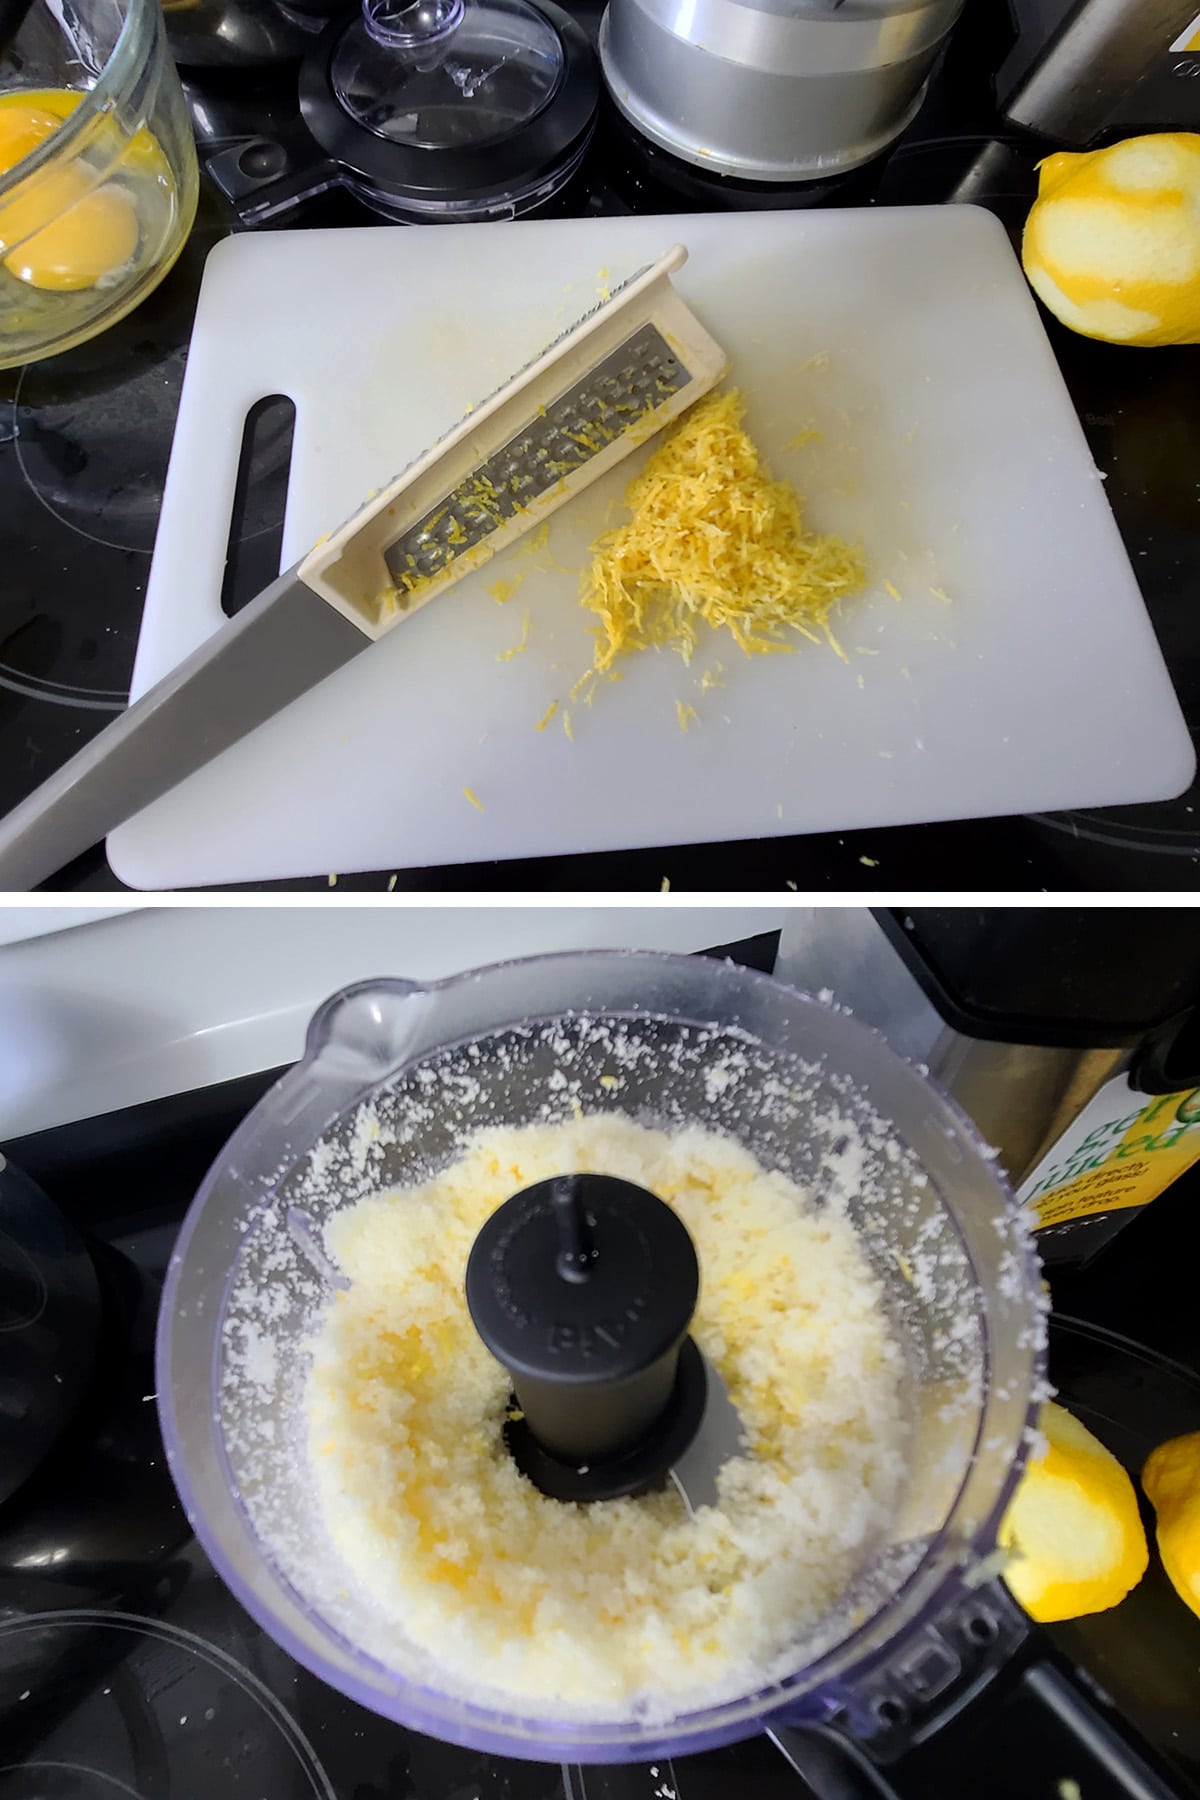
x=946 y=428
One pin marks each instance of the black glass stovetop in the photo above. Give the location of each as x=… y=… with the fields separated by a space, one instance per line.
x=85 y=437
x=127 y=1669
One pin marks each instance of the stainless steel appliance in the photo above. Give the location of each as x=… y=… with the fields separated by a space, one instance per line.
x=1083 y=68
x=780 y=90
x=1021 y=1014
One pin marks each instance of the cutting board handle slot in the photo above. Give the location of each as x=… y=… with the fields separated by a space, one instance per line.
x=254 y=548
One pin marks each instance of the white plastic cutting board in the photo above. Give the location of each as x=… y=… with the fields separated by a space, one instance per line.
x=948 y=446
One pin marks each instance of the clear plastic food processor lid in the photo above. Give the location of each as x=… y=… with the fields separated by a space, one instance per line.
x=354 y=1457
x=447 y=74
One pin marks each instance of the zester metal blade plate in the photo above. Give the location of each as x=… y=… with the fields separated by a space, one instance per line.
x=612 y=398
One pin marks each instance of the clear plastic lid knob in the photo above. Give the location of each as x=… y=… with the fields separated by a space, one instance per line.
x=411 y=24
x=447 y=74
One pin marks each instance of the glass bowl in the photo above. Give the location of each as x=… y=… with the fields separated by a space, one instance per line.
x=98 y=173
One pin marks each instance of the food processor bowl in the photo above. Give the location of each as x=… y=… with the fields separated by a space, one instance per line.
x=395 y=1078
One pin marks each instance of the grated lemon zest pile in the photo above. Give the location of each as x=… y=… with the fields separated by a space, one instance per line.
x=713 y=541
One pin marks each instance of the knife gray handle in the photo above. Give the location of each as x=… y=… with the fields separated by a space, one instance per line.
x=280 y=645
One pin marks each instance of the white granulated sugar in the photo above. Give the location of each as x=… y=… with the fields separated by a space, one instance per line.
x=844 y=1163
x=721 y=1078
x=322 y=1160
x=364 y=1138
x=259 y=1354
x=599 y=1604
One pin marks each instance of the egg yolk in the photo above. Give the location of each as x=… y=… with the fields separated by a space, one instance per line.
x=22 y=128
x=95 y=237
x=66 y=235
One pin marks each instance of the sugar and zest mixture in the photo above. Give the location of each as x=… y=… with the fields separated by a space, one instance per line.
x=598 y=1604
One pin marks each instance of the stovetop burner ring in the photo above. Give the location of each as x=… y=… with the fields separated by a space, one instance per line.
x=56 y=1790
x=85 y=463
x=182 y=1696
x=62 y=693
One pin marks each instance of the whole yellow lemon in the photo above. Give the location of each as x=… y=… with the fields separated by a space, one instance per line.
x=1112 y=242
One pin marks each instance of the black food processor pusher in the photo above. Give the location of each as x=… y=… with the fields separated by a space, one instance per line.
x=584 y=1288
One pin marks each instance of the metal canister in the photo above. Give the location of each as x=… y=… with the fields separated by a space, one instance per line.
x=774 y=90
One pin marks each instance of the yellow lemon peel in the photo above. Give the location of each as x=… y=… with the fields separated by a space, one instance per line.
x=1112 y=242
x=1073 y=1526
x=1171 y=1479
